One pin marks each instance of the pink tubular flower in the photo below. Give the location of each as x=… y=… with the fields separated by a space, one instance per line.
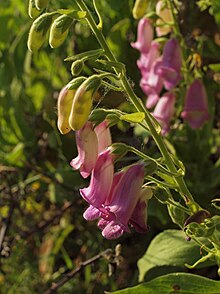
x=90 y=142
x=196 y=105
x=87 y=145
x=144 y=36
x=164 y=110
x=152 y=84
x=101 y=180
x=165 y=15
x=171 y=64
x=118 y=205
x=124 y=198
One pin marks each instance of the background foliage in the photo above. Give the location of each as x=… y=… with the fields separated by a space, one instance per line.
x=43 y=233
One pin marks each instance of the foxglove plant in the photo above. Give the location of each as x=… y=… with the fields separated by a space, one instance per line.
x=118 y=199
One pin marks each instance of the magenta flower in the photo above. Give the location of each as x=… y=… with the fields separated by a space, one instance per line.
x=171 y=64
x=101 y=180
x=164 y=110
x=144 y=36
x=152 y=84
x=123 y=200
x=196 y=105
x=119 y=206
x=87 y=145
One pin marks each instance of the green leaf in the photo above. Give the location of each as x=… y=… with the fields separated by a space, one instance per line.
x=136 y=117
x=216 y=11
x=178 y=283
x=169 y=248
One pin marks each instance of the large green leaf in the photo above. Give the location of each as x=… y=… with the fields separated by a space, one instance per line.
x=169 y=248
x=178 y=283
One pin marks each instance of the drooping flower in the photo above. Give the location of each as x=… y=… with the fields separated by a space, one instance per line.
x=90 y=143
x=87 y=145
x=118 y=206
x=152 y=84
x=196 y=105
x=171 y=64
x=144 y=36
x=166 y=17
x=164 y=110
x=124 y=198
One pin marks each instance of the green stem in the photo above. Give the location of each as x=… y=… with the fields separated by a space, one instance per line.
x=184 y=192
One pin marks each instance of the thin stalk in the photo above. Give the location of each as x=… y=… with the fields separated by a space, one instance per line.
x=184 y=192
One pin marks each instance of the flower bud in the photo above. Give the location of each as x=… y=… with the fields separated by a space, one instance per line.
x=59 y=30
x=32 y=9
x=64 y=104
x=41 y=4
x=139 y=8
x=82 y=102
x=38 y=31
x=77 y=67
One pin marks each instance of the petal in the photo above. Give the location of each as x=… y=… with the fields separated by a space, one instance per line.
x=91 y=213
x=112 y=231
x=104 y=136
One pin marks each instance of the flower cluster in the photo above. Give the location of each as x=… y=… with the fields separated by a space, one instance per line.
x=116 y=199
x=161 y=73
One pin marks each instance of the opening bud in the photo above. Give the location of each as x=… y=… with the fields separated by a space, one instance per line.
x=38 y=31
x=59 y=30
x=82 y=102
x=77 y=67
